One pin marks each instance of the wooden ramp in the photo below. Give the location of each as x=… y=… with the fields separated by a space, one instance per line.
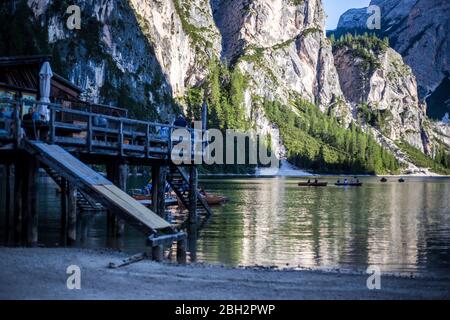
x=99 y=188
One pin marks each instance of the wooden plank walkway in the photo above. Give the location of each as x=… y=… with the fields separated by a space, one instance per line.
x=100 y=188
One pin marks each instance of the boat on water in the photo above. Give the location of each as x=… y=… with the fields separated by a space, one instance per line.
x=213 y=199
x=383 y=179
x=401 y=180
x=350 y=184
x=313 y=184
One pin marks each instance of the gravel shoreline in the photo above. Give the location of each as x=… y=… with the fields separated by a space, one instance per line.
x=40 y=273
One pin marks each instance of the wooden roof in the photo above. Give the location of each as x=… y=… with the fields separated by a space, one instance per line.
x=23 y=72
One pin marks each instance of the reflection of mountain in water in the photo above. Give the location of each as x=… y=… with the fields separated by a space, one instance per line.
x=398 y=227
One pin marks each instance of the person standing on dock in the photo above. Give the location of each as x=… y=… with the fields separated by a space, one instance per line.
x=180 y=122
x=164 y=131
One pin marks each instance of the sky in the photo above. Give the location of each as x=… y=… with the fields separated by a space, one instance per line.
x=335 y=8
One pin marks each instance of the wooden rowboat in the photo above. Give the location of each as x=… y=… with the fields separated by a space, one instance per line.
x=212 y=199
x=313 y=184
x=359 y=184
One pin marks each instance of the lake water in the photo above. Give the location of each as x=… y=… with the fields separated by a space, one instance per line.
x=402 y=228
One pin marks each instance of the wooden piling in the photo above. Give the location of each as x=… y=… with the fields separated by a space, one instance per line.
x=193 y=182
x=122 y=176
x=8 y=219
x=18 y=203
x=63 y=220
x=117 y=173
x=30 y=197
x=158 y=253
x=161 y=192
x=159 y=176
x=192 y=236
x=71 y=214
x=110 y=218
x=155 y=187
x=181 y=251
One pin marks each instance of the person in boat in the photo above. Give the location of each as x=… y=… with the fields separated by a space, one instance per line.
x=345 y=181
x=148 y=189
x=339 y=181
x=316 y=181
x=309 y=181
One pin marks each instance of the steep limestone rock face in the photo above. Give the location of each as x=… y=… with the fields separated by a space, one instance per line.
x=110 y=58
x=184 y=37
x=418 y=30
x=384 y=91
x=281 y=46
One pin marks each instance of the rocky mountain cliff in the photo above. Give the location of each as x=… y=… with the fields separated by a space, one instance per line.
x=383 y=90
x=281 y=45
x=419 y=31
x=148 y=54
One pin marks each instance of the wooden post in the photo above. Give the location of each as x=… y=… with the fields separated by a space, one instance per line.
x=192 y=237
x=71 y=214
x=110 y=220
x=17 y=125
x=7 y=204
x=117 y=173
x=159 y=174
x=89 y=134
x=155 y=186
x=193 y=183
x=181 y=251
x=121 y=182
x=147 y=141
x=63 y=226
x=120 y=138
x=32 y=217
x=161 y=191
x=158 y=253
x=52 y=125
x=18 y=212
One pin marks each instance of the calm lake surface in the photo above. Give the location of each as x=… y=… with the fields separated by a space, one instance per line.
x=401 y=228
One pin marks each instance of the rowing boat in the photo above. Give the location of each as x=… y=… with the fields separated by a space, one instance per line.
x=313 y=184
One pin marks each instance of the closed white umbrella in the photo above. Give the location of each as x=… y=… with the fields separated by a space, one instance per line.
x=45 y=76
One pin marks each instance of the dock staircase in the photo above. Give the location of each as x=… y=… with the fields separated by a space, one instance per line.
x=179 y=182
x=85 y=203
x=100 y=190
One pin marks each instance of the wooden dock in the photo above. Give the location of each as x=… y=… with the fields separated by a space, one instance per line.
x=66 y=145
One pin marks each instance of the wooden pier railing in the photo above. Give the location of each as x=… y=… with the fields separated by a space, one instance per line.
x=89 y=132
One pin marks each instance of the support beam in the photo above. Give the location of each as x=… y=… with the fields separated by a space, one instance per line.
x=155 y=187
x=192 y=236
x=110 y=217
x=158 y=253
x=63 y=220
x=71 y=214
x=193 y=182
x=31 y=193
x=159 y=177
x=117 y=173
x=122 y=176
x=8 y=220
x=181 y=251
x=18 y=203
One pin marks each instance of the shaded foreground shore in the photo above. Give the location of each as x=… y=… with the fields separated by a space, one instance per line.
x=40 y=273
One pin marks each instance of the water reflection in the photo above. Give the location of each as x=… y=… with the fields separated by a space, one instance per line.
x=399 y=227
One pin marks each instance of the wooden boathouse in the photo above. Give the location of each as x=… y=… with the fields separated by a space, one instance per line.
x=76 y=135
